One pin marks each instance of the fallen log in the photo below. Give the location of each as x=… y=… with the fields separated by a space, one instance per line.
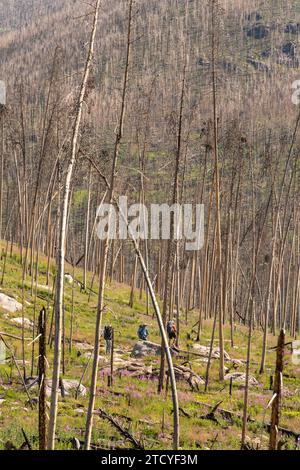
x=231 y=414
x=137 y=445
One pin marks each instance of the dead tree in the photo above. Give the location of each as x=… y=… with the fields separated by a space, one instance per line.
x=63 y=234
x=276 y=405
x=100 y=307
x=42 y=380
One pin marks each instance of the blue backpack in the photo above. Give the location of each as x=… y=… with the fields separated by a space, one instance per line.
x=143 y=332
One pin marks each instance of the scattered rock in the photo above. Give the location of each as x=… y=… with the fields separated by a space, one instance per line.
x=135 y=369
x=9 y=304
x=204 y=351
x=188 y=375
x=69 y=278
x=145 y=348
x=70 y=386
x=42 y=287
x=19 y=321
x=83 y=346
x=258 y=31
x=240 y=377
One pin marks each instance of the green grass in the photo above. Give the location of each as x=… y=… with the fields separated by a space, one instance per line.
x=150 y=414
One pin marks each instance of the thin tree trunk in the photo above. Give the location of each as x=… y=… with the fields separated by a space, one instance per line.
x=276 y=405
x=119 y=134
x=62 y=240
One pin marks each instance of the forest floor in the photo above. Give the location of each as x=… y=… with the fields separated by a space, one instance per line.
x=133 y=400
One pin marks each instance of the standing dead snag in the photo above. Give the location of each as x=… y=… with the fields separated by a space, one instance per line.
x=214 y=13
x=276 y=405
x=63 y=235
x=160 y=322
x=103 y=264
x=42 y=381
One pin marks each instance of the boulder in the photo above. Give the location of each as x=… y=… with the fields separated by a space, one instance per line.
x=145 y=348
x=204 y=351
x=69 y=278
x=240 y=378
x=9 y=304
x=70 y=387
x=42 y=287
x=134 y=369
x=189 y=376
x=83 y=346
x=20 y=321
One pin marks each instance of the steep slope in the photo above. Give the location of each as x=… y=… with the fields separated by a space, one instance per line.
x=133 y=399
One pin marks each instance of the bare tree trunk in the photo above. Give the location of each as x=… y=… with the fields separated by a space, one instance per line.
x=217 y=191
x=62 y=240
x=119 y=134
x=87 y=228
x=42 y=381
x=276 y=405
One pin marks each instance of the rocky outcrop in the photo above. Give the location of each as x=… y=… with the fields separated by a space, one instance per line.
x=240 y=377
x=69 y=387
x=189 y=376
x=9 y=304
x=204 y=351
x=145 y=348
x=22 y=321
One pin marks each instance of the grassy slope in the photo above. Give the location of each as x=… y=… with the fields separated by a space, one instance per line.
x=136 y=398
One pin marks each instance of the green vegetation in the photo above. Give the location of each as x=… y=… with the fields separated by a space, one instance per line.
x=134 y=401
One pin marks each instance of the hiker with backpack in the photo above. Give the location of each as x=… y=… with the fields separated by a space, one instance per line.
x=143 y=332
x=108 y=336
x=172 y=331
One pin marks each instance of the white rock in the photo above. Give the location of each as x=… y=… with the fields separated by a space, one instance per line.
x=42 y=287
x=145 y=348
x=19 y=321
x=9 y=304
x=240 y=377
x=83 y=346
x=204 y=351
x=70 y=387
x=69 y=278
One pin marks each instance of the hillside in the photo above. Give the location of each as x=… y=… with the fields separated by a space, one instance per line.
x=149 y=421
x=181 y=104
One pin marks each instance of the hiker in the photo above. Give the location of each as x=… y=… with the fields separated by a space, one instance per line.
x=172 y=330
x=108 y=336
x=143 y=332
